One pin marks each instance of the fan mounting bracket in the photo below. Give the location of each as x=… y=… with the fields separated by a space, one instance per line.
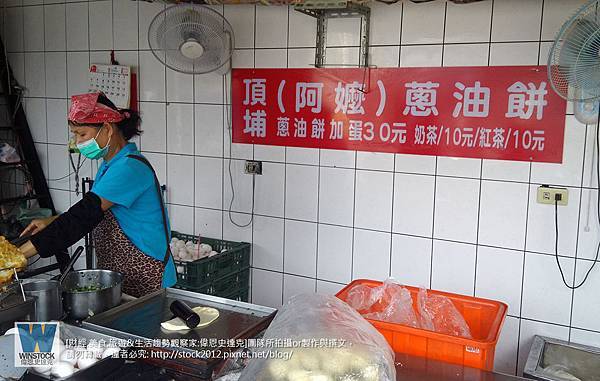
x=324 y=10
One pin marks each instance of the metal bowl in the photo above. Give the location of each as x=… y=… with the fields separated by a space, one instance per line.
x=47 y=294
x=82 y=304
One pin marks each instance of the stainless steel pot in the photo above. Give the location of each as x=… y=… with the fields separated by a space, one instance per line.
x=47 y=295
x=82 y=304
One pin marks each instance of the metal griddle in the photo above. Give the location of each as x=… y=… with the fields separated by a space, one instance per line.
x=140 y=320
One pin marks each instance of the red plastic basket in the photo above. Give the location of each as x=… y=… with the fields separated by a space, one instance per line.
x=484 y=317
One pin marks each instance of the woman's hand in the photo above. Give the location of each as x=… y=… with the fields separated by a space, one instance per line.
x=38 y=225
x=28 y=249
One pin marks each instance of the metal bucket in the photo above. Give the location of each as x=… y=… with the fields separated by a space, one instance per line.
x=47 y=295
x=82 y=304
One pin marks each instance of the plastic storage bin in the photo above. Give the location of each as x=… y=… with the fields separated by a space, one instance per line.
x=484 y=317
x=226 y=274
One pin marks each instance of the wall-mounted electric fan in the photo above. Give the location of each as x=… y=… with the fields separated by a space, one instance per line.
x=574 y=62
x=192 y=39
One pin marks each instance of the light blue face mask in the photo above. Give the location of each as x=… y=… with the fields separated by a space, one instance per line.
x=92 y=150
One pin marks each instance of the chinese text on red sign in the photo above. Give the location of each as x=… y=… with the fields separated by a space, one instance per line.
x=506 y=112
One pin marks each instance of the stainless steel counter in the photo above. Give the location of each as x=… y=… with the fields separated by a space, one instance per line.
x=411 y=368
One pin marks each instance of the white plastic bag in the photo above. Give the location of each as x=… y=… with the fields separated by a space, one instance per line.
x=364 y=355
x=390 y=303
x=8 y=154
x=559 y=372
x=393 y=303
x=438 y=313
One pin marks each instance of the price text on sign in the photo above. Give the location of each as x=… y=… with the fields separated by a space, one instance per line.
x=502 y=112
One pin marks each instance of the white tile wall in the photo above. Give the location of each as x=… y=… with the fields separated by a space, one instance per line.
x=509 y=25
x=584 y=312
x=294 y=285
x=470 y=24
x=208 y=130
x=502 y=201
x=56 y=111
x=268 y=243
x=270 y=190
x=180 y=128
x=271 y=27
x=301 y=192
x=179 y=87
x=449 y=259
x=384 y=56
x=36 y=118
x=209 y=222
x=35 y=76
x=580 y=336
x=455 y=215
x=300 y=251
x=499 y=276
x=459 y=167
x=33 y=27
x=336 y=196
x=125 y=32
x=525 y=53
x=324 y=217
x=417 y=15
x=180 y=170
x=328 y=288
x=55 y=27
x=155 y=118
x=78 y=64
x=542 y=278
x=371 y=259
x=413 y=204
x=466 y=55
x=267 y=288
x=411 y=260
x=373 y=205
x=508 y=345
x=387 y=29
x=100 y=16
x=56 y=74
x=209 y=191
x=335 y=245
x=77 y=26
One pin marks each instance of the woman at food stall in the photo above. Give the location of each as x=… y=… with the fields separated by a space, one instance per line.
x=124 y=210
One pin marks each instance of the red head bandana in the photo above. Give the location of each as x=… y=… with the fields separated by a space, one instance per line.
x=86 y=109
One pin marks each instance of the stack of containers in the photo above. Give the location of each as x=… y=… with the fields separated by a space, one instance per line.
x=226 y=274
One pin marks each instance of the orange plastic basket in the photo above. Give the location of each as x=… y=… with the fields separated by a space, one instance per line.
x=484 y=317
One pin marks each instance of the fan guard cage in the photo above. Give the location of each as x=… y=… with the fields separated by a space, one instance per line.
x=178 y=24
x=574 y=60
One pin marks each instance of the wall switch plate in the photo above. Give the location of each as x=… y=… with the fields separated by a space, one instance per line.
x=546 y=195
x=252 y=167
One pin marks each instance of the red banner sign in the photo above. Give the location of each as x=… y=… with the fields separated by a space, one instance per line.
x=507 y=112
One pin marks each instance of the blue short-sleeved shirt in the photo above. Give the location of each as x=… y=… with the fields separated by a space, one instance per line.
x=129 y=185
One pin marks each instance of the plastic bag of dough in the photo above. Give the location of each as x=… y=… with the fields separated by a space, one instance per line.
x=336 y=344
x=389 y=302
x=438 y=313
x=559 y=372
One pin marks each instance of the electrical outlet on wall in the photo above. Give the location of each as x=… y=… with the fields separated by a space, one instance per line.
x=547 y=195
x=252 y=167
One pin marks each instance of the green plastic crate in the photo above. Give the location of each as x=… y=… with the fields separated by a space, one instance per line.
x=198 y=274
x=239 y=295
x=232 y=286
